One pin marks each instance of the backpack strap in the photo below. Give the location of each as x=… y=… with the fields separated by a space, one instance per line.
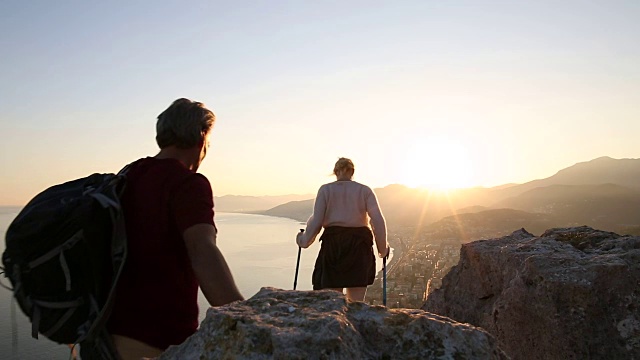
x=57 y=250
x=126 y=168
x=104 y=200
x=71 y=307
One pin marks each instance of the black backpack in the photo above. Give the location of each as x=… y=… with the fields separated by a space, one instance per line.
x=64 y=253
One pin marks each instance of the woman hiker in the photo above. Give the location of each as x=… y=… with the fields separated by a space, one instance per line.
x=346 y=258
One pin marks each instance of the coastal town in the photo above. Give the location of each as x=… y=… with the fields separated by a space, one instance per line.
x=423 y=256
x=417 y=268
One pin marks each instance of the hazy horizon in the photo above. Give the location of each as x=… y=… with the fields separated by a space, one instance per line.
x=421 y=93
x=330 y=178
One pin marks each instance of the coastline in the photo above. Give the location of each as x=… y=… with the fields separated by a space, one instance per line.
x=265 y=213
x=396 y=249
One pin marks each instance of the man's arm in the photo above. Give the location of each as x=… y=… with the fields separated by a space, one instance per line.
x=209 y=265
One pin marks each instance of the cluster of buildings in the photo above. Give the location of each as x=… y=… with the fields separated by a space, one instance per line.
x=422 y=257
x=415 y=271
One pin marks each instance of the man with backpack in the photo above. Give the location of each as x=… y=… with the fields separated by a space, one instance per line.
x=171 y=239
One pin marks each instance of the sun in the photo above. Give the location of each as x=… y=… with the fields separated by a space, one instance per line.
x=438 y=163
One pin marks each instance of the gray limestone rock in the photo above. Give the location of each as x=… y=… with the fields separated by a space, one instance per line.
x=572 y=293
x=279 y=324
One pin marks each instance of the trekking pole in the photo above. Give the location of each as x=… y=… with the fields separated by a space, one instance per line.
x=295 y=280
x=384 y=279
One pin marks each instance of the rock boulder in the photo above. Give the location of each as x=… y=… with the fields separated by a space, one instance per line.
x=572 y=293
x=279 y=324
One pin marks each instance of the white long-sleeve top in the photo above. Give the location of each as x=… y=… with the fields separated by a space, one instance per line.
x=348 y=204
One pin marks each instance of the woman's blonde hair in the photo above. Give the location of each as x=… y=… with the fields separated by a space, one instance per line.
x=343 y=164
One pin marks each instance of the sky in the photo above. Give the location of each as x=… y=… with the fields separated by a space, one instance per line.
x=422 y=93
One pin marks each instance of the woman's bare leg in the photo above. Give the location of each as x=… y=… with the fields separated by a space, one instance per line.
x=356 y=293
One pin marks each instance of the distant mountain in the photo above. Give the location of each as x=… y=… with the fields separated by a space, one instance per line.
x=402 y=206
x=298 y=210
x=472 y=209
x=405 y=206
x=603 y=170
x=504 y=186
x=606 y=206
x=238 y=203
x=487 y=224
x=600 y=193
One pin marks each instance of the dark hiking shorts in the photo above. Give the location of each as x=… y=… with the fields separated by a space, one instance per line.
x=346 y=258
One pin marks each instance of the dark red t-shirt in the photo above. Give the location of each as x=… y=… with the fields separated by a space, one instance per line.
x=156 y=296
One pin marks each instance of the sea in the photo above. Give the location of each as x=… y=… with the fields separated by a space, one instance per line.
x=260 y=251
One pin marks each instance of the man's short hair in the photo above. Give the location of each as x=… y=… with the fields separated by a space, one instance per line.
x=183 y=124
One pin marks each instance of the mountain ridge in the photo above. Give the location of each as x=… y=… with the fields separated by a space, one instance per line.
x=246 y=203
x=585 y=190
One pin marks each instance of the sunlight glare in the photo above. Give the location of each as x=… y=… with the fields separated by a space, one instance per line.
x=438 y=163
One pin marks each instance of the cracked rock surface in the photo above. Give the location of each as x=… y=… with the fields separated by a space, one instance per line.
x=571 y=293
x=281 y=324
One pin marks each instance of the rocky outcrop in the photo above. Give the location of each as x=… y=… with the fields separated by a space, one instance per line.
x=279 y=324
x=572 y=293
